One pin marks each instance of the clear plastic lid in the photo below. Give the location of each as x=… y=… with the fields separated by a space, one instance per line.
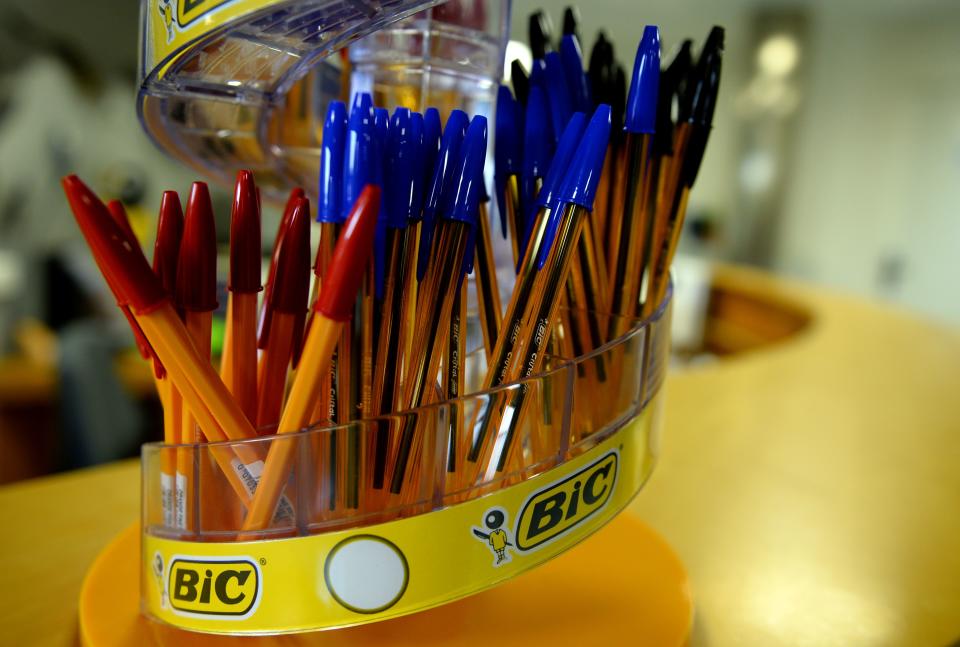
x=244 y=84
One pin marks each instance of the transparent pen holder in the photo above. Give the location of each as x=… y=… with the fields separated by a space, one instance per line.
x=387 y=516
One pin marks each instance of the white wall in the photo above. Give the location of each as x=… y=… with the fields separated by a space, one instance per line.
x=877 y=164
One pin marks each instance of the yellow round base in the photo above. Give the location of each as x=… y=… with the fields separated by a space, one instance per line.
x=623 y=585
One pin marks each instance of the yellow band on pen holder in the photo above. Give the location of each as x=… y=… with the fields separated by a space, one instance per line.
x=375 y=572
x=305 y=573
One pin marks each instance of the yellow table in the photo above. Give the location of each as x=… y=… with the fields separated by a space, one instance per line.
x=812 y=489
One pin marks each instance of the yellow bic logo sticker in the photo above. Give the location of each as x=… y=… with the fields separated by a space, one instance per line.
x=215 y=587
x=557 y=508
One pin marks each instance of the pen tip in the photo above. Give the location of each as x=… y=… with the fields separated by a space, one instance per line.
x=350 y=257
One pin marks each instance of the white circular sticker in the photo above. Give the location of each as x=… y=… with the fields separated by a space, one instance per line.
x=366 y=574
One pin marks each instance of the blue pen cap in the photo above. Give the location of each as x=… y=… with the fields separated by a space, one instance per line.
x=430 y=147
x=580 y=182
x=641 y=113
x=359 y=153
x=437 y=190
x=401 y=168
x=537 y=138
x=468 y=177
x=577 y=85
x=561 y=160
x=558 y=95
x=507 y=158
x=415 y=207
x=538 y=74
x=331 y=163
x=446 y=164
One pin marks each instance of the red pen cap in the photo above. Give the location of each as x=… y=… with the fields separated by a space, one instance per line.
x=122 y=263
x=291 y=282
x=295 y=194
x=245 y=236
x=119 y=215
x=196 y=289
x=349 y=262
x=166 y=248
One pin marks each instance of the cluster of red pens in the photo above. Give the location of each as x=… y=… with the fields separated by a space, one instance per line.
x=170 y=306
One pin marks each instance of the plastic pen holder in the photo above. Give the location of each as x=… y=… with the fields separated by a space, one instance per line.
x=351 y=542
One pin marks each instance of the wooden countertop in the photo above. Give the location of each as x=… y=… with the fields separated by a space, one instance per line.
x=812 y=488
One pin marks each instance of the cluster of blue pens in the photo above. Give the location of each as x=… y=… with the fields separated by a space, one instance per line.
x=407 y=319
x=554 y=157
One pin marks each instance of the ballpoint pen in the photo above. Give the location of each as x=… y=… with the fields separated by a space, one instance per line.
x=426 y=162
x=507 y=164
x=439 y=183
x=119 y=214
x=574 y=200
x=635 y=193
x=538 y=144
x=699 y=103
x=334 y=307
x=672 y=82
x=263 y=327
x=501 y=362
x=558 y=94
x=166 y=249
x=403 y=194
x=239 y=364
x=359 y=158
x=372 y=290
x=577 y=84
x=600 y=73
x=288 y=300
x=196 y=288
x=438 y=289
x=329 y=215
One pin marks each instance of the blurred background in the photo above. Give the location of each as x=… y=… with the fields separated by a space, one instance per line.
x=835 y=159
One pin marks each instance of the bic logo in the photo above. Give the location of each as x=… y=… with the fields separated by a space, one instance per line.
x=557 y=508
x=214 y=587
